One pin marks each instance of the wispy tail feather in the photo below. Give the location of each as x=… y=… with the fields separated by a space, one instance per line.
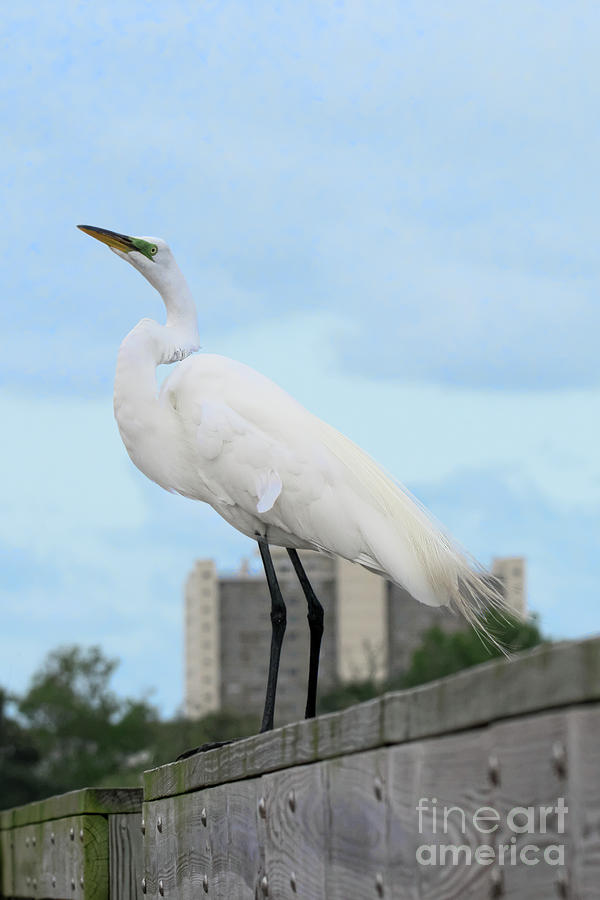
x=411 y=548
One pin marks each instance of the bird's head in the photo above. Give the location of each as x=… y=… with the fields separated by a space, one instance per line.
x=150 y=256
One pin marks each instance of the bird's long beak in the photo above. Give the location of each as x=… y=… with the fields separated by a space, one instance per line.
x=112 y=238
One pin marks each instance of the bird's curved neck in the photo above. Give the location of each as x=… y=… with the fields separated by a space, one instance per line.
x=136 y=405
x=178 y=300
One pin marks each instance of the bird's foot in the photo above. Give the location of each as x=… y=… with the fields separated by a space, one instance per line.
x=211 y=745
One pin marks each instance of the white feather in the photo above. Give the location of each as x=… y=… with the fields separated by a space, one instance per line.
x=226 y=435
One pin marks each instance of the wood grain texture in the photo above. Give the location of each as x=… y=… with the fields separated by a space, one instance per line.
x=404 y=764
x=556 y=675
x=348 y=828
x=96 y=801
x=6 y=862
x=125 y=856
x=294 y=831
x=357 y=853
x=6 y=819
x=66 y=858
x=528 y=779
x=349 y=731
x=181 y=851
x=453 y=783
x=583 y=774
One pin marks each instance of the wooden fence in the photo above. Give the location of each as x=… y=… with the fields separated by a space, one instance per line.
x=484 y=784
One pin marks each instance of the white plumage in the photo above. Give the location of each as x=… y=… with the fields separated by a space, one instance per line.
x=222 y=433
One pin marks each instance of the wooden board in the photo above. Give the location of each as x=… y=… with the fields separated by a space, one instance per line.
x=583 y=773
x=404 y=764
x=125 y=856
x=62 y=859
x=528 y=779
x=556 y=675
x=207 y=838
x=95 y=801
x=452 y=784
x=294 y=831
x=357 y=856
x=6 y=863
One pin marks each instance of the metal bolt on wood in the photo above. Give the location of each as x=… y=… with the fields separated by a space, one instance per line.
x=292 y=800
x=379 y=884
x=497 y=882
x=494 y=769
x=33 y=841
x=143 y=826
x=144 y=885
x=161 y=888
x=72 y=884
x=562 y=884
x=378 y=787
x=264 y=885
x=52 y=838
x=205 y=884
x=559 y=758
x=72 y=834
x=159 y=823
x=81 y=832
x=262 y=808
x=54 y=881
x=81 y=881
x=203 y=816
x=293 y=882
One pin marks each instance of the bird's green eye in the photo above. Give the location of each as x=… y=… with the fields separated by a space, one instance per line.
x=153 y=250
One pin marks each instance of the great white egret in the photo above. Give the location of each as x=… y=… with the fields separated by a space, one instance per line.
x=220 y=432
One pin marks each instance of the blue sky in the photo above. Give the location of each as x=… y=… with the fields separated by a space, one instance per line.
x=389 y=208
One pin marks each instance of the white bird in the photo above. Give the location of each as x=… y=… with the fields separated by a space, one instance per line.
x=219 y=432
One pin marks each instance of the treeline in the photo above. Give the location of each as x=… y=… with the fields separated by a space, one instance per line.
x=70 y=730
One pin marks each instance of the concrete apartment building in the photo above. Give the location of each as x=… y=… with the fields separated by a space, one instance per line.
x=372 y=628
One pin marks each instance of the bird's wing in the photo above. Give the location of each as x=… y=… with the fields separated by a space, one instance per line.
x=251 y=465
x=264 y=454
x=255 y=451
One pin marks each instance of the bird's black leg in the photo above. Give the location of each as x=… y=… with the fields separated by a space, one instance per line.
x=315 y=623
x=278 y=623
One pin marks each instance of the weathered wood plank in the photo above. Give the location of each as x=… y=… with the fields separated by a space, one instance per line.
x=205 y=842
x=294 y=831
x=357 y=852
x=351 y=730
x=6 y=863
x=556 y=675
x=63 y=858
x=93 y=801
x=6 y=819
x=453 y=784
x=125 y=856
x=583 y=773
x=404 y=790
x=528 y=779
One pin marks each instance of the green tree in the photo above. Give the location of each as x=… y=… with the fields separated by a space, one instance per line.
x=19 y=758
x=442 y=653
x=81 y=730
x=348 y=693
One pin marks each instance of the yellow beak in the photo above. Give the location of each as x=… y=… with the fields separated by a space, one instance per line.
x=112 y=238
